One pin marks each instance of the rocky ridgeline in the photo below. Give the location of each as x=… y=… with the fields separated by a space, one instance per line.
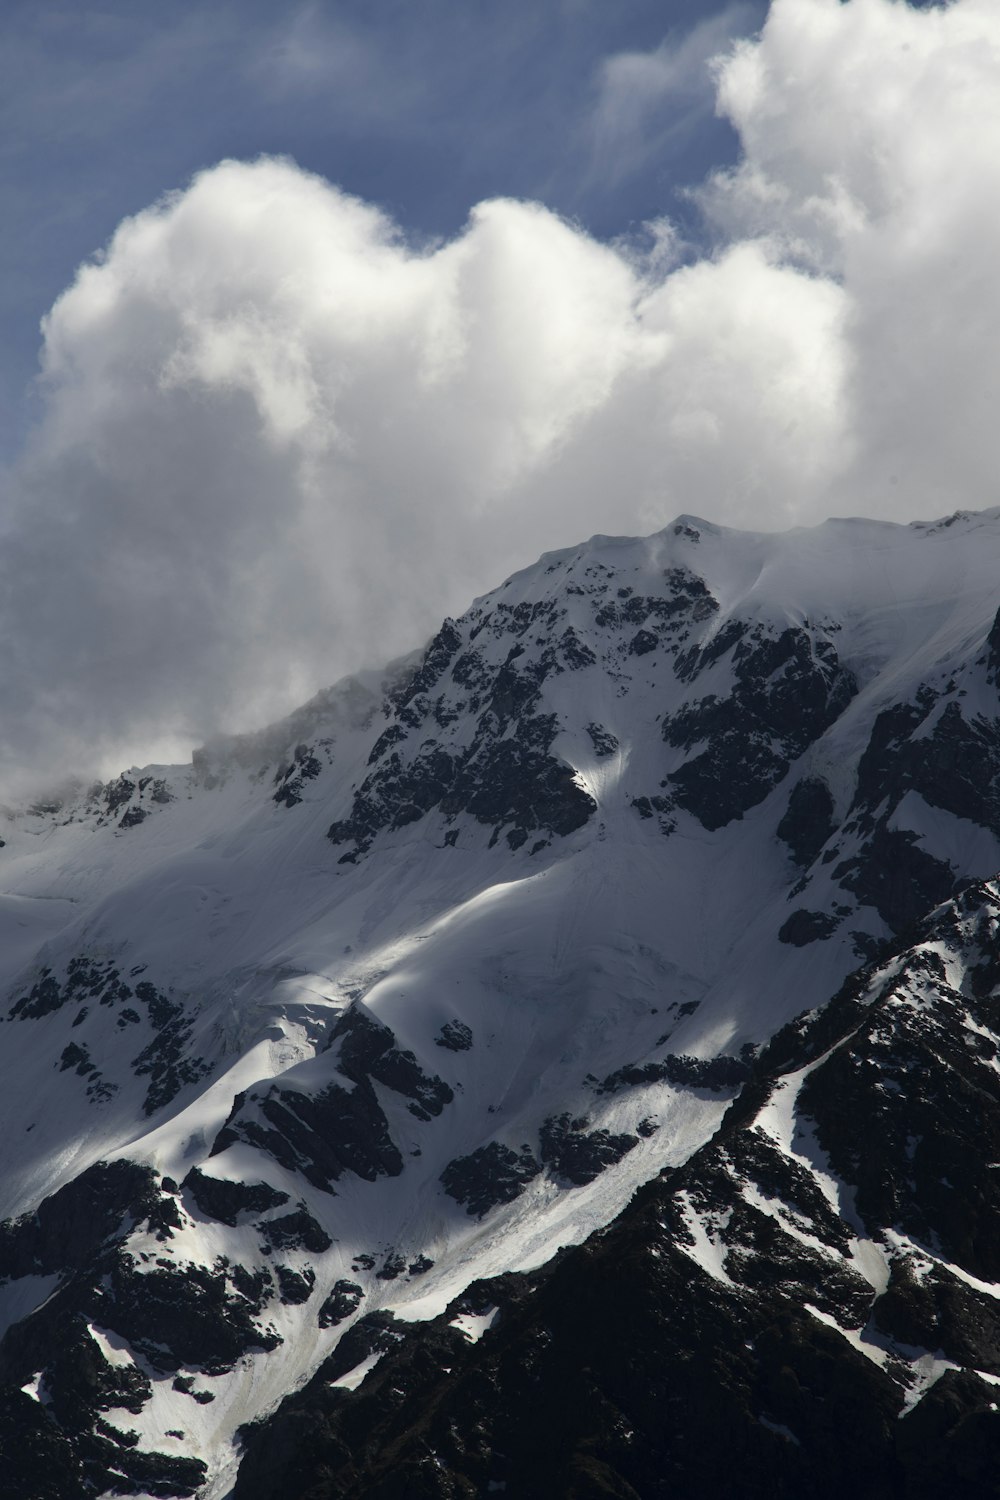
x=469 y=735
x=811 y=1305
x=825 y=1265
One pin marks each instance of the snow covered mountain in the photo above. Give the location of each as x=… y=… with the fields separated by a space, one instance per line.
x=304 y=1041
x=808 y=1306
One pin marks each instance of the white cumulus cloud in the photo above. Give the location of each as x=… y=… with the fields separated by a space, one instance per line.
x=280 y=441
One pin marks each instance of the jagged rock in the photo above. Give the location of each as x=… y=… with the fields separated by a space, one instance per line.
x=454 y=1035
x=896 y=876
x=714 y=1073
x=69 y=1227
x=324 y=1134
x=294 y=1286
x=603 y=741
x=321 y=1135
x=367 y=1050
x=809 y=821
x=68 y=1433
x=491 y=1175
x=186 y=1315
x=223 y=1199
x=935 y=1310
x=786 y=691
x=296 y=1231
x=804 y=927
x=342 y=1302
x=905 y=1143
x=290 y=779
x=954 y=766
x=580 y=1155
x=394 y=1265
x=643 y=642
x=511 y=783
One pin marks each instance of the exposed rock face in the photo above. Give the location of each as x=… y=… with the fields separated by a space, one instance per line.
x=579 y=1155
x=785 y=692
x=809 y=821
x=504 y=777
x=69 y=1228
x=927 y=749
x=454 y=1035
x=290 y=779
x=717 y=1074
x=804 y=927
x=493 y=1174
x=166 y=1060
x=337 y=1129
x=229 y=1201
x=780 y=1288
x=931 y=748
x=443 y=969
x=168 y=1314
x=341 y=1303
x=321 y=1135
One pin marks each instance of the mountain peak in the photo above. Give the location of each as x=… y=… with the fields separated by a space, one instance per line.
x=431 y=977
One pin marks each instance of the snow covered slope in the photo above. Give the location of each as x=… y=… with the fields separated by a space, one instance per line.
x=810 y=1305
x=425 y=982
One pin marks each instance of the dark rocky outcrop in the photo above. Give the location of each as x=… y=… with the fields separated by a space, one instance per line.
x=342 y=1303
x=294 y=1286
x=90 y=982
x=185 y=1315
x=321 y=1135
x=804 y=927
x=513 y=785
x=809 y=820
x=367 y=1050
x=603 y=741
x=895 y=875
x=290 y=778
x=296 y=1231
x=714 y=1073
x=929 y=748
x=42 y=1461
x=223 y=1199
x=952 y=762
x=573 y=1152
x=786 y=691
x=338 y=1129
x=491 y=1175
x=632 y=1398
x=933 y=1309
x=68 y=1229
x=64 y=1445
x=455 y=1036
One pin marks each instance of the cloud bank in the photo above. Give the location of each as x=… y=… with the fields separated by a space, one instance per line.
x=280 y=441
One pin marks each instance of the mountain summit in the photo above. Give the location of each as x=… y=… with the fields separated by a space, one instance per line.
x=652 y=899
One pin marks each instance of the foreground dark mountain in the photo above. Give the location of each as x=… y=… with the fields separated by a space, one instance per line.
x=807 y=1306
x=316 y=1052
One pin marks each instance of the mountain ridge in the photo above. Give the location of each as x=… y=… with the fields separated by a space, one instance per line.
x=490 y=940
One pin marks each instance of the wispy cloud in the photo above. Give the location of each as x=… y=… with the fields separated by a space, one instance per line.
x=319 y=51
x=646 y=100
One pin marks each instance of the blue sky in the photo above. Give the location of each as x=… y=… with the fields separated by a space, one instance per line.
x=423 y=106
